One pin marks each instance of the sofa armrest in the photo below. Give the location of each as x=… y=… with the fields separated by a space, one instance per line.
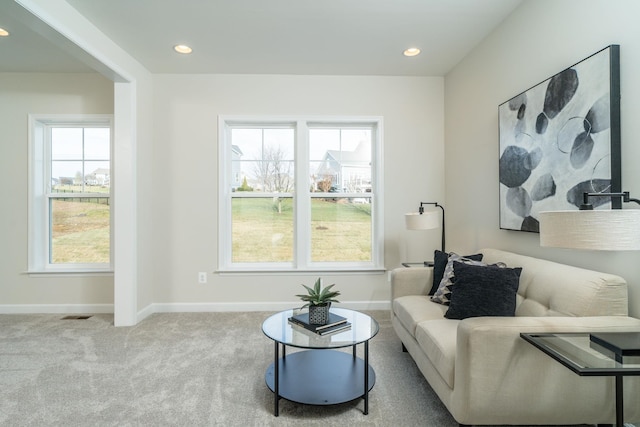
x=411 y=281
x=495 y=368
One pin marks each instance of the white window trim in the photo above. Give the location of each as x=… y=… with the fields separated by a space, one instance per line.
x=38 y=221
x=302 y=261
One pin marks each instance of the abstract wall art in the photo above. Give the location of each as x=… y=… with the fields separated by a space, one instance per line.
x=559 y=139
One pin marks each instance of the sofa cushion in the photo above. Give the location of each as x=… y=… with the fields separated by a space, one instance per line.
x=413 y=309
x=444 y=290
x=483 y=291
x=437 y=338
x=440 y=260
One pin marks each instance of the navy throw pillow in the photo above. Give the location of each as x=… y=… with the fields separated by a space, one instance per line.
x=483 y=291
x=440 y=260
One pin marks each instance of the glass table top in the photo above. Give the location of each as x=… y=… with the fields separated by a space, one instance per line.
x=583 y=356
x=278 y=328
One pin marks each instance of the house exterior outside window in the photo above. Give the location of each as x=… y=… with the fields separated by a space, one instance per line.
x=300 y=194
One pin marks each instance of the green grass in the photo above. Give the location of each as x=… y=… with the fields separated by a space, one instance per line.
x=262 y=231
x=80 y=232
x=340 y=231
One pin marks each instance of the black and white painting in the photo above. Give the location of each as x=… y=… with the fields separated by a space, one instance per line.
x=559 y=139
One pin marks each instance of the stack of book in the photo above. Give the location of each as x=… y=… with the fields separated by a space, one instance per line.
x=335 y=324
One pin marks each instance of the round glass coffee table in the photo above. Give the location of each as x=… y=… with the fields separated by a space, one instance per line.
x=320 y=375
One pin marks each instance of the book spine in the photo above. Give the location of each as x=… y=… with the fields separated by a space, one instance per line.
x=316 y=328
x=335 y=329
x=331 y=325
x=304 y=325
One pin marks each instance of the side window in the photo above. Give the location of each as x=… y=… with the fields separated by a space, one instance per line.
x=70 y=193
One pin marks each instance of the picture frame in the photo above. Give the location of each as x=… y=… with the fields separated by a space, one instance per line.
x=559 y=139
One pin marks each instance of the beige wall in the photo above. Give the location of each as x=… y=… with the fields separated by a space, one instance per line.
x=176 y=158
x=184 y=189
x=20 y=95
x=176 y=172
x=541 y=38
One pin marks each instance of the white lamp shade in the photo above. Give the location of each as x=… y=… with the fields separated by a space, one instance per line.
x=604 y=230
x=425 y=221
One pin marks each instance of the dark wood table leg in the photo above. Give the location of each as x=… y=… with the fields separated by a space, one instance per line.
x=276 y=380
x=366 y=377
x=354 y=351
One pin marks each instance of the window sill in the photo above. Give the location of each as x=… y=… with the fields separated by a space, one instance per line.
x=68 y=273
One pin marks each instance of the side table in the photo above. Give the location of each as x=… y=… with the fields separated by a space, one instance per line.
x=320 y=375
x=418 y=264
x=579 y=353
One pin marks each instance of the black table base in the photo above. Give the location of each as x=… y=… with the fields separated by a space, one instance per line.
x=320 y=377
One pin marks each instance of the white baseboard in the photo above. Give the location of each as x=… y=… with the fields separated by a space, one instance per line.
x=144 y=313
x=246 y=306
x=176 y=307
x=55 y=308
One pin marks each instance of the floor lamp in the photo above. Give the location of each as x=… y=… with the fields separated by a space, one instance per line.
x=602 y=229
x=422 y=220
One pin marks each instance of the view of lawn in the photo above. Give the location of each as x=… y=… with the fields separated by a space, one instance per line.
x=260 y=233
x=340 y=231
x=262 y=230
x=80 y=231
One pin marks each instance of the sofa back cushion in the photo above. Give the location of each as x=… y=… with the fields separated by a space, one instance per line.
x=551 y=289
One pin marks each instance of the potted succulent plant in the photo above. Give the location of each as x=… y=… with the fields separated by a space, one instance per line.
x=319 y=300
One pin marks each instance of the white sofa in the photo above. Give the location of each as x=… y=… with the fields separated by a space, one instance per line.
x=485 y=373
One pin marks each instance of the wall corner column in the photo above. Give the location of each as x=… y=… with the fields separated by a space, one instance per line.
x=125 y=252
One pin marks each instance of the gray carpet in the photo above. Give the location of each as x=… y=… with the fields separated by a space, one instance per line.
x=196 y=369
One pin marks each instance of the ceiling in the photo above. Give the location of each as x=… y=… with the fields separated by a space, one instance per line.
x=330 y=37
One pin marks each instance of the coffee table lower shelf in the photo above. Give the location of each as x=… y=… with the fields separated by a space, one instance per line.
x=320 y=377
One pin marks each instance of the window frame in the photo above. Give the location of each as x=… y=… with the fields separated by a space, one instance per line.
x=301 y=194
x=40 y=195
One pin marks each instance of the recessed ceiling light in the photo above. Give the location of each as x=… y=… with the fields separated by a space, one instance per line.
x=412 y=51
x=182 y=48
x=3 y=32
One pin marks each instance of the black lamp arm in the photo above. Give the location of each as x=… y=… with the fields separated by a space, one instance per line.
x=588 y=206
x=421 y=211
